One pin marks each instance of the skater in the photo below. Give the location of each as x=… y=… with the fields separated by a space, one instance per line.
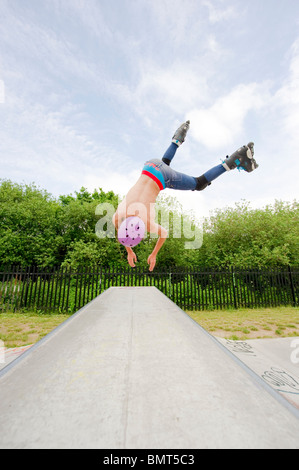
x=135 y=215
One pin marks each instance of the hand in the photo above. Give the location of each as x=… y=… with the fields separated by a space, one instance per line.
x=131 y=258
x=151 y=261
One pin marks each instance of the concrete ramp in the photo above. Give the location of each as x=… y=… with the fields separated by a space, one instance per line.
x=274 y=360
x=132 y=371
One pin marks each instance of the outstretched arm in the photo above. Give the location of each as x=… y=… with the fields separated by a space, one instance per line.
x=132 y=258
x=162 y=232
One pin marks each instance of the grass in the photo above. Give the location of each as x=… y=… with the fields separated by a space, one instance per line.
x=22 y=329
x=245 y=324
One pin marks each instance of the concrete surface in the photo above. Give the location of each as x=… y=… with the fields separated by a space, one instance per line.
x=7 y=355
x=276 y=361
x=132 y=371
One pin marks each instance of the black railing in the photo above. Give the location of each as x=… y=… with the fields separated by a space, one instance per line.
x=65 y=290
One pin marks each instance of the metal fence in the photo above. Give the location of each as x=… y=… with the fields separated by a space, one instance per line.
x=65 y=290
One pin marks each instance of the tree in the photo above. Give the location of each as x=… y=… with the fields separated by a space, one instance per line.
x=78 y=221
x=28 y=225
x=37 y=229
x=242 y=236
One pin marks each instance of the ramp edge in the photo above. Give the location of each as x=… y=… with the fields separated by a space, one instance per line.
x=254 y=376
x=39 y=343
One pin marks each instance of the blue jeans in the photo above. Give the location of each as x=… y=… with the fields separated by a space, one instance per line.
x=174 y=179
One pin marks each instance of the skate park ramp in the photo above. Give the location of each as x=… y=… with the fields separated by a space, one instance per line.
x=131 y=370
x=276 y=361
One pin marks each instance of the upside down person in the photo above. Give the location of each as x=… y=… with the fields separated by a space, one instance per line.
x=135 y=215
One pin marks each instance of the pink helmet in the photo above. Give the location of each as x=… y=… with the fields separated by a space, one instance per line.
x=131 y=231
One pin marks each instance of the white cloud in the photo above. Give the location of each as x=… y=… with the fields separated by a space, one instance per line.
x=58 y=154
x=218 y=14
x=286 y=100
x=172 y=90
x=110 y=180
x=2 y=92
x=223 y=123
x=180 y=20
x=88 y=15
x=91 y=86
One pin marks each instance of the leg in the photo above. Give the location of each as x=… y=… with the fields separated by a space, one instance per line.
x=181 y=181
x=177 y=140
x=205 y=180
x=175 y=180
x=241 y=159
x=170 y=153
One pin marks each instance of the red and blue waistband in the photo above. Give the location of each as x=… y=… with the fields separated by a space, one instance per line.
x=151 y=170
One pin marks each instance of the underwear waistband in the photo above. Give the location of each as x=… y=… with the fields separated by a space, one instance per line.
x=152 y=170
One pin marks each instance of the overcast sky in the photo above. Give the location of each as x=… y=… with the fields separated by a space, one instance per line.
x=91 y=89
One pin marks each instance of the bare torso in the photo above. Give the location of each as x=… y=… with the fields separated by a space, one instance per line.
x=139 y=201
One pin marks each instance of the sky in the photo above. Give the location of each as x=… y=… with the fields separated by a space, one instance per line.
x=91 y=89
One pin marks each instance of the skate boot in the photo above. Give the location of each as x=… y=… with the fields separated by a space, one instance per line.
x=180 y=133
x=241 y=159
